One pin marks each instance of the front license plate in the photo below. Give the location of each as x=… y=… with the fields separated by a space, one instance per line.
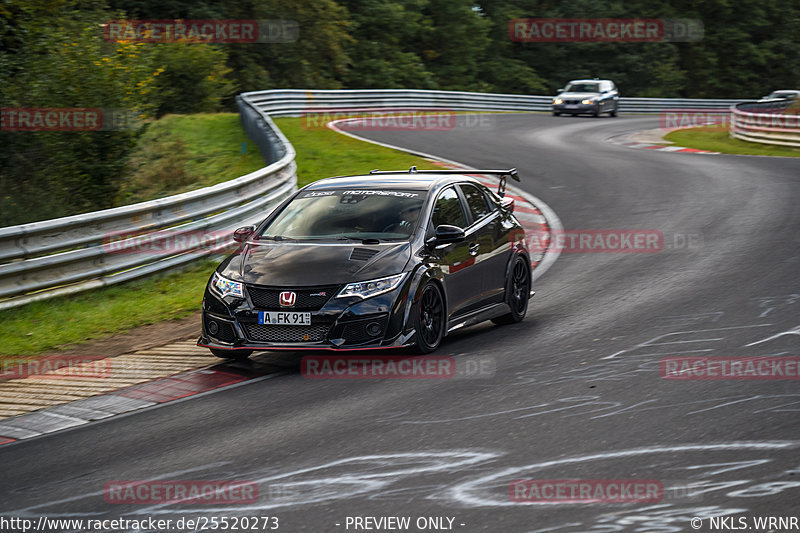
x=283 y=318
x=571 y=106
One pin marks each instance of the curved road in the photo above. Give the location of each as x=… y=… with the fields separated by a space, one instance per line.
x=576 y=392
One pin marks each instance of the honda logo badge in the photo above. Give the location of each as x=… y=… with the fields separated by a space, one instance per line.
x=288 y=298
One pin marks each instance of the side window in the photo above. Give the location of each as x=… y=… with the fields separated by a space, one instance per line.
x=448 y=210
x=476 y=201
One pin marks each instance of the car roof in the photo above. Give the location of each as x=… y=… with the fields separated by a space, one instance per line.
x=585 y=81
x=402 y=180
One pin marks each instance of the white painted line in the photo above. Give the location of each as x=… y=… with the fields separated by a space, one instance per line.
x=132 y=407
x=39 y=422
x=651 y=343
x=15 y=432
x=471 y=493
x=79 y=412
x=167 y=475
x=794 y=331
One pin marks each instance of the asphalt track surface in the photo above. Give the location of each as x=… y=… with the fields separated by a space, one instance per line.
x=577 y=392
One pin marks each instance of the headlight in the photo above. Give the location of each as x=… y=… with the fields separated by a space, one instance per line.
x=374 y=287
x=558 y=101
x=588 y=101
x=225 y=287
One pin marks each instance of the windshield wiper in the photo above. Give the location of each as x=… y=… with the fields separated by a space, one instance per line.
x=364 y=240
x=275 y=238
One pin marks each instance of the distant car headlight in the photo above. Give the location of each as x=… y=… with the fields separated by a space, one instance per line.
x=225 y=287
x=588 y=101
x=374 y=287
x=558 y=101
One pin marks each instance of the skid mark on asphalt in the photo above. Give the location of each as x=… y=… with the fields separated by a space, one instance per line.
x=694 y=463
x=711 y=335
x=595 y=407
x=724 y=476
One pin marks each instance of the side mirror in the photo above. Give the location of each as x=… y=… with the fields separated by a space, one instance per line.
x=508 y=204
x=559 y=91
x=446 y=234
x=242 y=234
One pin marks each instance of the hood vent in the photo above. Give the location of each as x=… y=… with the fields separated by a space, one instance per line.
x=362 y=254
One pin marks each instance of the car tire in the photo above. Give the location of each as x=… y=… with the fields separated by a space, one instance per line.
x=596 y=112
x=238 y=355
x=429 y=319
x=556 y=114
x=518 y=291
x=614 y=111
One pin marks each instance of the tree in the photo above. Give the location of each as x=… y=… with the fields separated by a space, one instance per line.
x=385 y=41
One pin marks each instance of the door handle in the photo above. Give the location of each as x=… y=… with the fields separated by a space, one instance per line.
x=473 y=248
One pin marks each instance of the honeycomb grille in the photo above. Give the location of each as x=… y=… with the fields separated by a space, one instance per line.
x=308 y=299
x=356 y=332
x=272 y=333
x=225 y=332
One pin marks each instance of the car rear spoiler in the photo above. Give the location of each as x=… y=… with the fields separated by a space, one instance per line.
x=501 y=187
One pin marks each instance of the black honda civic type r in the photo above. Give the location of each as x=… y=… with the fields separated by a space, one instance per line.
x=385 y=260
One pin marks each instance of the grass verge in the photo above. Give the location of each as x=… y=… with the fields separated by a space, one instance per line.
x=321 y=152
x=179 y=153
x=49 y=325
x=46 y=325
x=715 y=139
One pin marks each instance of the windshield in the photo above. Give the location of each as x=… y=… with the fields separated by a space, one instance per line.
x=582 y=88
x=348 y=214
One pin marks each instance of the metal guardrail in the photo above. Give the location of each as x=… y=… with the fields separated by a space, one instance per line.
x=769 y=122
x=294 y=102
x=80 y=252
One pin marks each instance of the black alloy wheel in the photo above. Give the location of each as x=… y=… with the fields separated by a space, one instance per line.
x=518 y=291
x=430 y=319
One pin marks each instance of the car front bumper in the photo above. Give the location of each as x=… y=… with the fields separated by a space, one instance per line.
x=575 y=109
x=339 y=324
